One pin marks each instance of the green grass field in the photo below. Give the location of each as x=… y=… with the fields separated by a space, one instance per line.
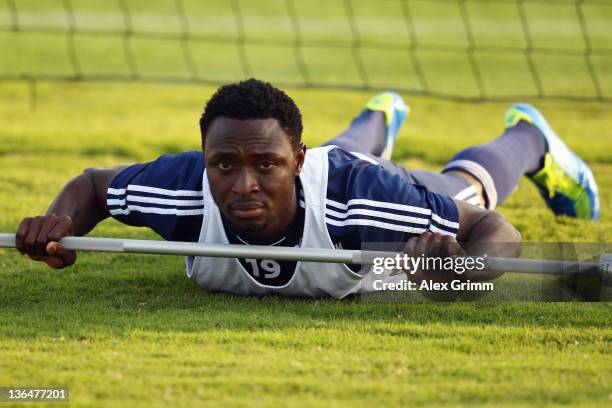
x=127 y=330
x=134 y=331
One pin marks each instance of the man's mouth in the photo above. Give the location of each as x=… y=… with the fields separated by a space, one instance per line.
x=249 y=209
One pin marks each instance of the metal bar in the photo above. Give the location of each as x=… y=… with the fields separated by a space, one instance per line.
x=536 y=266
x=542 y=266
x=195 y=249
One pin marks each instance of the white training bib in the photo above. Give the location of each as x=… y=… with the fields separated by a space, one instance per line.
x=310 y=279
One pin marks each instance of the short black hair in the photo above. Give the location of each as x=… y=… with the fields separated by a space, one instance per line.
x=254 y=99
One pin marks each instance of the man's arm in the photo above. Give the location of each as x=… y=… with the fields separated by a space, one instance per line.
x=478 y=225
x=480 y=232
x=76 y=210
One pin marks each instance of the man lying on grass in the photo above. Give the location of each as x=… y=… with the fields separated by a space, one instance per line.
x=256 y=183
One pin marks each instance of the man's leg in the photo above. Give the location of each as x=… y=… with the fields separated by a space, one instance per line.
x=374 y=131
x=486 y=175
x=370 y=138
x=365 y=134
x=530 y=147
x=497 y=166
x=457 y=184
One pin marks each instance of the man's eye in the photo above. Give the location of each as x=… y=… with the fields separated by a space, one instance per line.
x=267 y=165
x=224 y=166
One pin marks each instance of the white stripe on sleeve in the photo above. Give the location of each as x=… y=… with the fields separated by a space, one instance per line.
x=115 y=191
x=463 y=194
x=163 y=191
x=379 y=204
x=433 y=228
x=114 y=201
x=164 y=201
x=364 y=157
x=390 y=216
x=444 y=222
x=155 y=210
x=377 y=224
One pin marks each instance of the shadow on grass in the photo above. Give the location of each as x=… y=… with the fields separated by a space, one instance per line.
x=116 y=295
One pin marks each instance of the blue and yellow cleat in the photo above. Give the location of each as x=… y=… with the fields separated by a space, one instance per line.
x=395 y=111
x=565 y=181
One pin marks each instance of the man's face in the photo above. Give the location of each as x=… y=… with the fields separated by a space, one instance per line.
x=251 y=169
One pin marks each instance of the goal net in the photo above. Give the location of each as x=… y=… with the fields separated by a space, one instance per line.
x=467 y=49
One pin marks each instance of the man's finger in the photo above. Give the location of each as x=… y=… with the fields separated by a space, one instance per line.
x=52 y=247
x=62 y=229
x=30 y=239
x=54 y=262
x=67 y=256
x=435 y=244
x=48 y=223
x=423 y=244
x=22 y=231
x=451 y=247
x=410 y=247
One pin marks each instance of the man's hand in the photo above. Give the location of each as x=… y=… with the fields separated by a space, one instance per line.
x=81 y=205
x=433 y=245
x=38 y=238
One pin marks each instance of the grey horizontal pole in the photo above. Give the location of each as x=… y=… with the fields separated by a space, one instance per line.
x=537 y=266
x=542 y=266
x=196 y=249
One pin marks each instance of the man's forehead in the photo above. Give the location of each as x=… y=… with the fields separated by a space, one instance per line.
x=223 y=127
x=258 y=136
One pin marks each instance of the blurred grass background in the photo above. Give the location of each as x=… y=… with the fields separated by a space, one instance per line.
x=358 y=43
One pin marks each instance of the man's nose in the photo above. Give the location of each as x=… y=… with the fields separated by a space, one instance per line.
x=246 y=183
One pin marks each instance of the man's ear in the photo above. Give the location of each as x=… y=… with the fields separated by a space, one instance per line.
x=300 y=156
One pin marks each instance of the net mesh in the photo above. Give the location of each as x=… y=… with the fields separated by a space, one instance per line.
x=463 y=49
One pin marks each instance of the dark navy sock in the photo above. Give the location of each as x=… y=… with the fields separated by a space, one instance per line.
x=500 y=164
x=366 y=134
